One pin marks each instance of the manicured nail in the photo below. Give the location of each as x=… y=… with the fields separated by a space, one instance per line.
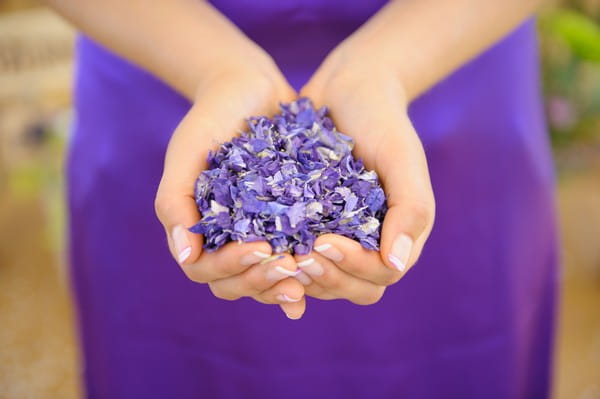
x=400 y=252
x=303 y=278
x=311 y=267
x=181 y=243
x=285 y=298
x=253 y=257
x=287 y=272
x=305 y=262
x=279 y=273
x=183 y=255
x=288 y=316
x=330 y=252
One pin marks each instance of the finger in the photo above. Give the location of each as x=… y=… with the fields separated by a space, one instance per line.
x=303 y=278
x=411 y=211
x=207 y=124
x=405 y=230
x=354 y=259
x=287 y=293
x=284 y=291
x=174 y=203
x=316 y=291
x=256 y=278
x=178 y=213
x=337 y=282
x=294 y=310
x=231 y=259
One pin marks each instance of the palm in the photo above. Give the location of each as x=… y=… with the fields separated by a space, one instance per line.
x=235 y=270
x=372 y=111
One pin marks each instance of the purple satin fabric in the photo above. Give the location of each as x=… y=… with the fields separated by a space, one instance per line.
x=473 y=319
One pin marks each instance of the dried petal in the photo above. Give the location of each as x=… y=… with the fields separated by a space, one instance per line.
x=288 y=179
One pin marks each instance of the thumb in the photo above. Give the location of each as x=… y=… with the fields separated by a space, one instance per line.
x=177 y=213
x=175 y=204
x=411 y=211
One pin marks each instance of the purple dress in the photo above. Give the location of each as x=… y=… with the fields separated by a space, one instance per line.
x=473 y=319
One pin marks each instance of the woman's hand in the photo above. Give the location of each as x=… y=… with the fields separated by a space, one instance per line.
x=367 y=101
x=222 y=102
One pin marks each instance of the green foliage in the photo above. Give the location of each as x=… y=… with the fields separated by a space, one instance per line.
x=570 y=46
x=581 y=33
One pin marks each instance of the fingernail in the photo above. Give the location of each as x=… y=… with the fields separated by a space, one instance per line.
x=311 y=267
x=183 y=255
x=305 y=262
x=400 y=252
x=330 y=252
x=304 y=279
x=285 y=298
x=283 y=270
x=279 y=273
x=288 y=316
x=253 y=257
x=181 y=243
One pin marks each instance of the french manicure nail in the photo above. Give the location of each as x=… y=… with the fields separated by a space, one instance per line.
x=311 y=267
x=253 y=257
x=183 y=255
x=305 y=262
x=400 y=252
x=287 y=272
x=285 y=298
x=287 y=315
x=181 y=243
x=322 y=247
x=279 y=273
x=330 y=252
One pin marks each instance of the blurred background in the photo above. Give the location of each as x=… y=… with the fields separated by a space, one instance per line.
x=38 y=351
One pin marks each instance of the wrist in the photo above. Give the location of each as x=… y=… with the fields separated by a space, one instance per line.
x=225 y=51
x=229 y=66
x=378 y=43
x=357 y=61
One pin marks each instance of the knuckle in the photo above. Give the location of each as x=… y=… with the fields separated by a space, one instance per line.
x=331 y=282
x=356 y=268
x=422 y=212
x=220 y=293
x=252 y=281
x=262 y=299
x=227 y=269
x=161 y=206
x=195 y=277
x=391 y=278
x=216 y=291
x=314 y=290
x=371 y=297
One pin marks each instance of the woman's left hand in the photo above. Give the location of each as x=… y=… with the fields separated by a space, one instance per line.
x=367 y=102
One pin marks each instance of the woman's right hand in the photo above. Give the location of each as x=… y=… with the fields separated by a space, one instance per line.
x=223 y=101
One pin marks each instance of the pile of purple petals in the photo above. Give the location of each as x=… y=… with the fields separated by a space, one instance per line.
x=288 y=180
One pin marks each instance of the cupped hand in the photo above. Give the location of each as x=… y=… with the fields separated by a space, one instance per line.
x=367 y=102
x=222 y=103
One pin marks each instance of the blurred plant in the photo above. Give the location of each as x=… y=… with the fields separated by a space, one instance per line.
x=35 y=176
x=570 y=44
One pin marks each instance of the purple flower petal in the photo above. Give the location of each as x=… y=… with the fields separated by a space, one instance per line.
x=287 y=180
